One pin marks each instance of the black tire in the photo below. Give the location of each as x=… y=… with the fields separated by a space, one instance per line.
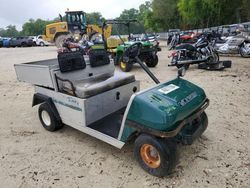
x=165 y=151
x=180 y=66
x=125 y=67
x=202 y=66
x=215 y=58
x=116 y=59
x=59 y=40
x=42 y=44
x=47 y=118
x=24 y=44
x=152 y=61
x=242 y=53
x=227 y=64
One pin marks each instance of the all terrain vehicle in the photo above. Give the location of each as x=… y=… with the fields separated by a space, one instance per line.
x=86 y=93
x=148 y=52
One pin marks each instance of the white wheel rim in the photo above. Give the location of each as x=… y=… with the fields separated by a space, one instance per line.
x=46 y=118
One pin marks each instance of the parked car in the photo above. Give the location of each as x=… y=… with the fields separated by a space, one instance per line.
x=39 y=41
x=33 y=38
x=5 y=42
x=21 y=42
x=150 y=37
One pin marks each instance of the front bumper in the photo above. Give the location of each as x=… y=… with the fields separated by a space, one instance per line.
x=193 y=131
x=187 y=121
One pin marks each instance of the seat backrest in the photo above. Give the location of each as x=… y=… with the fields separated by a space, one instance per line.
x=88 y=72
x=98 y=57
x=71 y=61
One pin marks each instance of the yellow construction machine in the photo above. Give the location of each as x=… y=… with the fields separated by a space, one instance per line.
x=75 y=24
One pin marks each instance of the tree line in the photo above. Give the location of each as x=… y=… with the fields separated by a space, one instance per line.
x=160 y=15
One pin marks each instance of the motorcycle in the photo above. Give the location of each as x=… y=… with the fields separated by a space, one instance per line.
x=175 y=40
x=238 y=44
x=183 y=38
x=201 y=53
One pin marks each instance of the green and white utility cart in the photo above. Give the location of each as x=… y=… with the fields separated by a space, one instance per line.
x=86 y=93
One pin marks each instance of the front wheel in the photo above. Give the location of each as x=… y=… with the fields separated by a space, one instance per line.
x=60 y=40
x=124 y=66
x=156 y=156
x=214 y=58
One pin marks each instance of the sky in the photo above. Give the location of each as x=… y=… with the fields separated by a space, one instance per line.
x=16 y=12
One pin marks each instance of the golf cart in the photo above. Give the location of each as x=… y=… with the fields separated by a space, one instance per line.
x=86 y=93
x=148 y=53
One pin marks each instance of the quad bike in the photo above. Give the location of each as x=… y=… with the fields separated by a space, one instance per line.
x=238 y=44
x=84 y=46
x=148 y=52
x=86 y=93
x=201 y=53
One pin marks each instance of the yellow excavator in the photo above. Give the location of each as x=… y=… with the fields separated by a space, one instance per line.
x=75 y=25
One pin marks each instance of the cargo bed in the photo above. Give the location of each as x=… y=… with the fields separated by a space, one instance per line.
x=38 y=72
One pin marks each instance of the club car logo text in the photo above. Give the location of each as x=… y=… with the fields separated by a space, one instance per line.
x=189 y=98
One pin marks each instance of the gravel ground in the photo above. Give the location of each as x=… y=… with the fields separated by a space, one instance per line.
x=33 y=157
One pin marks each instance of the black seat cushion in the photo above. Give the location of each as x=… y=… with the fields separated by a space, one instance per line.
x=70 y=61
x=98 y=57
x=186 y=46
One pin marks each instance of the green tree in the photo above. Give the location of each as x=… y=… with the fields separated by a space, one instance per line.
x=10 y=31
x=146 y=16
x=34 y=27
x=165 y=14
x=129 y=14
x=207 y=13
x=135 y=28
x=94 y=18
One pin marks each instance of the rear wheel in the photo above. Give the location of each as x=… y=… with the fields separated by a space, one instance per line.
x=152 y=61
x=47 y=118
x=155 y=155
x=42 y=44
x=243 y=52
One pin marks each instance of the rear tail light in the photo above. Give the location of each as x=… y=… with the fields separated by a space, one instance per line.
x=173 y=54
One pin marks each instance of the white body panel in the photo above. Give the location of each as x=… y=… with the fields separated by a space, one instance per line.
x=79 y=113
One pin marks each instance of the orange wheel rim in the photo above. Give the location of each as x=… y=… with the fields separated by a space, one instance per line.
x=150 y=156
x=123 y=65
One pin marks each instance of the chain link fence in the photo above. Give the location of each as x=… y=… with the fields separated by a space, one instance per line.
x=225 y=29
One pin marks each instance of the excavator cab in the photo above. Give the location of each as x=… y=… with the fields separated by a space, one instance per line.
x=76 y=21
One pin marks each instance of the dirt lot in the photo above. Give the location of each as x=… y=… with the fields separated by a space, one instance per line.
x=33 y=157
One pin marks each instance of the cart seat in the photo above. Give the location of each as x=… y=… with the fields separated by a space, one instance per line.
x=94 y=86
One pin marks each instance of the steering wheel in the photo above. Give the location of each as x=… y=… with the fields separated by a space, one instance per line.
x=132 y=52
